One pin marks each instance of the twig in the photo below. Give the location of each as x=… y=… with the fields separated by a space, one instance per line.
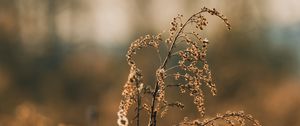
x=171 y=68
x=138 y=107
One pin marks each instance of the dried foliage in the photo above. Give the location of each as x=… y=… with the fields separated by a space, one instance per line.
x=192 y=69
x=229 y=118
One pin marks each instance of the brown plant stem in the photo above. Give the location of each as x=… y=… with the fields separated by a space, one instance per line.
x=138 y=108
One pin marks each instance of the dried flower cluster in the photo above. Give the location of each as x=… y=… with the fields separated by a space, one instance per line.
x=131 y=89
x=192 y=71
x=229 y=118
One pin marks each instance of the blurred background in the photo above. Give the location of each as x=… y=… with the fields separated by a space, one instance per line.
x=62 y=62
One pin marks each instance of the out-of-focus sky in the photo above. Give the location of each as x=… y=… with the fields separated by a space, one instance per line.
x=114 y=22
x=62 y=62
x=109 y=21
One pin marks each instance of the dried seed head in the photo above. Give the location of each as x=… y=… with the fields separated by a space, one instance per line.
x=129 y=93
x=231 y=118
x=146 y=107
x=142 y=42
x=164 y=112
x=122 y=121
x=176 y=76
x=160 y=77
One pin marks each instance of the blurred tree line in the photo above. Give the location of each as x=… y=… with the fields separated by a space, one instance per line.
x=73 y=82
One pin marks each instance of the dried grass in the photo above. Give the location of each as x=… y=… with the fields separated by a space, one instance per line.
x=192 y=67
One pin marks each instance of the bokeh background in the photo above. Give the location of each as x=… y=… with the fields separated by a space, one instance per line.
x=62 y=62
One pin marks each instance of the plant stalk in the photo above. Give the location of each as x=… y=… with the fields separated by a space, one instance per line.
x=152 y=121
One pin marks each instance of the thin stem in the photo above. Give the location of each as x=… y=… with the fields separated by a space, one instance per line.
x=172 y=68
x=181 y=41
x=173 y=85
x=138 y=107
x=175 y=53
x=159 y=56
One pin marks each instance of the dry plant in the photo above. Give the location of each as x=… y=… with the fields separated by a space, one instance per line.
x=192 y=69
